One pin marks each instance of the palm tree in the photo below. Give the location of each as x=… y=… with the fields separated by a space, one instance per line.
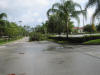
x=2 y=23
x=66 y=11
x=92 y=3
x=55 y=24
x=3 y=15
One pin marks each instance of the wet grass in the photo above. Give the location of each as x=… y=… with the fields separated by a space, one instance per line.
x=93 y=42
x=3 y=41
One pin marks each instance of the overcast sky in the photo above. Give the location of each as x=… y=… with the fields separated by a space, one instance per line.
x=33 y=12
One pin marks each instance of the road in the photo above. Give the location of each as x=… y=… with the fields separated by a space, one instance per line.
x=48 y=58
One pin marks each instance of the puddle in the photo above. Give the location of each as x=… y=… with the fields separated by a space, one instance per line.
x=58 y=61
x=53 y=48
x=21 y=53
x=59 y=47
x=69 y=47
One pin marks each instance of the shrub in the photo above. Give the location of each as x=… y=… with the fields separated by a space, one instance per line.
x=36 y=36
x=98 y=27
x=89 y=28
x=93 y=42
x=78 y=40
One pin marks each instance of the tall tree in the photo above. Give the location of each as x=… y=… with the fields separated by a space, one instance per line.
x=66 y=10
x=3 y=15
x=95 y=3
x=2 y=23
x=55 y=24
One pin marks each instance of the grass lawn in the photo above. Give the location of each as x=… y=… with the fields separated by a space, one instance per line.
x=93 y=42
x=2 y=41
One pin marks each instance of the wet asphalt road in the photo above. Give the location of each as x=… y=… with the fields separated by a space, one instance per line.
x=48 y=58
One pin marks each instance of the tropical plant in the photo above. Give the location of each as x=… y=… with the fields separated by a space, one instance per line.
x=71 y=25
x=88 y=28
x=3 y=15
x=95 y=3
x=98 y=27
x=10 y=29
x=2 y=23
x=66 y=11
x=55 y=24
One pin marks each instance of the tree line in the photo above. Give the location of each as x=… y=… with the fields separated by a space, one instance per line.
x=61 y=14
x=59 y=17
x=10 y=29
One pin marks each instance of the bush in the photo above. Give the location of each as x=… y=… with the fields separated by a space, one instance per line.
x=36 y=36
x=75 y=40
x=98 y=28
x=89 y=28
x=93 y=42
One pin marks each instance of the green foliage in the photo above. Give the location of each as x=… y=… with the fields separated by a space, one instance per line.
x=92 y=42
x=3 y=15
x=10 y=29
x=40 y=28
x=88 y=28
x=66 y=11
x=98 y=28
x=4 y=41
x=36 y=36
x=75 y=40
x=39 y=33
x=92 y=3
x=55 y=24
x=70 y=26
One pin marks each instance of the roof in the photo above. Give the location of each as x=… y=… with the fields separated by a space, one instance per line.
x=77 y=27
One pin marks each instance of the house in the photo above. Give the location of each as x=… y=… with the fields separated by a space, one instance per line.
x=78 y=29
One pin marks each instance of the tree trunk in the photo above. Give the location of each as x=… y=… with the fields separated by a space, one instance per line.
x=93 y=26
x=67 y=31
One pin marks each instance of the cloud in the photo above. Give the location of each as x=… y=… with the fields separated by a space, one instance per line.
x=43 y=2
x=3 y=4
x=32 y=12
x=29 y=11
x=80 y=1
x=35 y=14
x=40 y=20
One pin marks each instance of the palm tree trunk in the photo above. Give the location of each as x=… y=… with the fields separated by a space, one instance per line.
x=93 y=26
x=83 y=22
x=67 y=31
